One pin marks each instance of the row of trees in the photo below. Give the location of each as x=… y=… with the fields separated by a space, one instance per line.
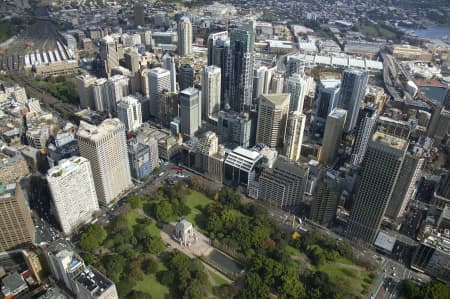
x=433 y=290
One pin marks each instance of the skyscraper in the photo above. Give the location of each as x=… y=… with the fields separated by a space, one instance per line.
x=186 y=76
x=353 y=90
x=236 y=128
x=85 y=90
x=273 y=112
x=101 y=95
x=259 y=75
x=294 y=135
x=298 y=86
x=214 y=40
x=284 y=184
x=333 y=135
x=109 y=53
x=73 y=191
x=105 y=147
x=184 y=37
x=364 y=130
x=139 y=14
x=406 y=185
x=168 y=105
x=277 y=83
x=140 y=159
x=242 y=58
x=158 y=80
x=380 y=169
x=132 y=60
x=118 y=86
x=327 y=98
x=169 y=64
x=211 y=90
x=129 y=112
x=325 y=198
x=16 y=226
x=190 y=111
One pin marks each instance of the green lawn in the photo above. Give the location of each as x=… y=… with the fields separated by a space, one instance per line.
x=218 y=279
x=133 y=217
x=196 y=201
x=349 y=277
x=292 y=250
x=150 y=285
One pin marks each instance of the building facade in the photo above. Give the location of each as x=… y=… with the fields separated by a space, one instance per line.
x=190 y=111
x=184 y=37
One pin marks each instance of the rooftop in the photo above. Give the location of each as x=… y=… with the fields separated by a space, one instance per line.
x=93 y=281
x=98 y=132
x=389 y=140
x=66 y=166
x=277 y=98
x=338 y=113
x=189 y=91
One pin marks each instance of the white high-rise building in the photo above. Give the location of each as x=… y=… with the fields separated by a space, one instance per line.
x=84 y=88
x=129 y=112
x=101 y=95
x=190 y=111
x=211 y=90
x=106 y=148
x=332 y=136
x=72 y=187
x=184 y=37
x=158 y=80
x=118 y=88
x=364 y=130
x=298 y=86
x=169 y=64
x=294 y=135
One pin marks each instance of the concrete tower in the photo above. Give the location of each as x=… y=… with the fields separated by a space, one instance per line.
x=158 y=80
x=380 y=170
x=169 y=64
x=190 y=111
x=294 y=135
x=184 y=37
x=332 y=136
x=72 y=187
x=129 y=112
x=272 y=119
x=211 y=90
x=106 y=148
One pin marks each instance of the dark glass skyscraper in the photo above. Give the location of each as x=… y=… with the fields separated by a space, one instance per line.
x=242 y=58
x=353 y=90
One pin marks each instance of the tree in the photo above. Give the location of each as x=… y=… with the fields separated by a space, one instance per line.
x=291 y=286
x=432 y=290
x=135 y=268
x=93 y=237
x=114 y=265
x=229 y=198
x=163 y=211
x=150 y=265
x=155 y=245
x=255 y=288
x=135 y=202
x=138 y=295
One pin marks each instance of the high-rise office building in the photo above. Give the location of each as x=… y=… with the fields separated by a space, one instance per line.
x=298 y=86
x=214 y=39
x=326 y=99
x=273 y=112
x=187 y=75
x=353 y=90
x=295 y=65
x=140 y=159
x=184 y=37
x=444 y=186
x=190 y=111
x=168 y=105
x=85 y=90
x=325 y=198
x=211 y=77
x=158 y=80
x=242 y=59
x=406 y=185
x=169 y=64
x=277 y=83
x=284 y=184
x=364 y=130
x=259 y=75
x=105 y=147
x=132 y=60
x=101 y=95
x=118 y=88
x=235 y=128
x=294 y=135
x=380 y=169
x=129 y=112
x=139 y=14
x=332 y=136
x=16 y=226
x=219 y=48
x=109 y=53
x=73 y=191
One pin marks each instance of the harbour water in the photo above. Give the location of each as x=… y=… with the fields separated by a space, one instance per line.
x=438 y=32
